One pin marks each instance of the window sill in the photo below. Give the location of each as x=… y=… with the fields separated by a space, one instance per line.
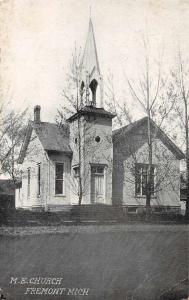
x=59 y=195
x=143 y=196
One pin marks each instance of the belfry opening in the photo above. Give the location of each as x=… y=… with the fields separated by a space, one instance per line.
x=91 y=87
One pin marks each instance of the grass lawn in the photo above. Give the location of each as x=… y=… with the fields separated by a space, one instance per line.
x=112 y=264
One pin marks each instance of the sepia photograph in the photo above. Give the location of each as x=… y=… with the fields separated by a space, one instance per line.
x=94 y=149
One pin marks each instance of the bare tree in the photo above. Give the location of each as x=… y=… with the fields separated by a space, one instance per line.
x=12 y=131
x=151 y=93
x=73 y=98
x=180 y=88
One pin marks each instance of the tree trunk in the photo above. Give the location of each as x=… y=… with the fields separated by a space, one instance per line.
x=80 y=162
x=187 y=190
x=80 y=191
x=187 y=161
x=149 y=172
x=185 y=100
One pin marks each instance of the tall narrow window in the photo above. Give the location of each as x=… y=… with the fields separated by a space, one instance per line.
x=59 y=178
x=76 y=172
x=141 y=177
x=29 y=179
x=39 y=179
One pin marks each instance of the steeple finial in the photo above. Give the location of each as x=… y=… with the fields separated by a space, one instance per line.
x=90 y=71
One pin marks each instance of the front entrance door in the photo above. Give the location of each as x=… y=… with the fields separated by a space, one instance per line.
x=97 y=184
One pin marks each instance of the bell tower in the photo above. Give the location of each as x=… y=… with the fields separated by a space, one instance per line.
x=91 y=78
x=91 y=133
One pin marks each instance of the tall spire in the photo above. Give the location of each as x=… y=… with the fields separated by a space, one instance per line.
x=90 y=69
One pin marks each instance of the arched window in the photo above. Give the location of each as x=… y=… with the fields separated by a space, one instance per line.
x=82 y=89
x=93 y=86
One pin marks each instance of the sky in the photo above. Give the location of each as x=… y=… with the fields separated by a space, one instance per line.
x=37 y=38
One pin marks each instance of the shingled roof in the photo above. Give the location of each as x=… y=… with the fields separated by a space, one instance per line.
x=132 y=128
x=53 y=137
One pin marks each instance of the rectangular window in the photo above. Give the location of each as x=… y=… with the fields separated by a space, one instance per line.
x=39 y=179
x=132 y=209
x=159 y=209
x=141 y=179
x=59 y=178
x=29 y=179
x=76 y=171
x=98 y=170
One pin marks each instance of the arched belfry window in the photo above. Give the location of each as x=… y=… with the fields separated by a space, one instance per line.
x=82 y=89
x=93 y=86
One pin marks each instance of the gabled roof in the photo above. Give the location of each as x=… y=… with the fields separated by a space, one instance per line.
x=132 y=128
x=127 y=128
x=91 y=111
x=52 y=137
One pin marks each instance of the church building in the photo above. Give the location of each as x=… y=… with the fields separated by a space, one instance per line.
x=86 y=162
x=60 y=165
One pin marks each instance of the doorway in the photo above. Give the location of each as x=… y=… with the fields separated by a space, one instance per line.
x=97 y=184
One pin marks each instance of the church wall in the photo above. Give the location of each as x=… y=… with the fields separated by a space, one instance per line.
x=35 y=155
x=56 y=201
x=123 y=147
x=47 y=198
x=100 y=152
x=93 y=153
x=75 y=128
x=18 y=198
x=167 y=169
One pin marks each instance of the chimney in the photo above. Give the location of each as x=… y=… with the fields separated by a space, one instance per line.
x=37 y=109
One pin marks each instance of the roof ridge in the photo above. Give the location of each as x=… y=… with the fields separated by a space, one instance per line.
x=129 y=124
x=160 y=134
x=44 y=123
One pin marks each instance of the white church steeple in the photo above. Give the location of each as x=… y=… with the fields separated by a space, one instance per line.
x=91 y=78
